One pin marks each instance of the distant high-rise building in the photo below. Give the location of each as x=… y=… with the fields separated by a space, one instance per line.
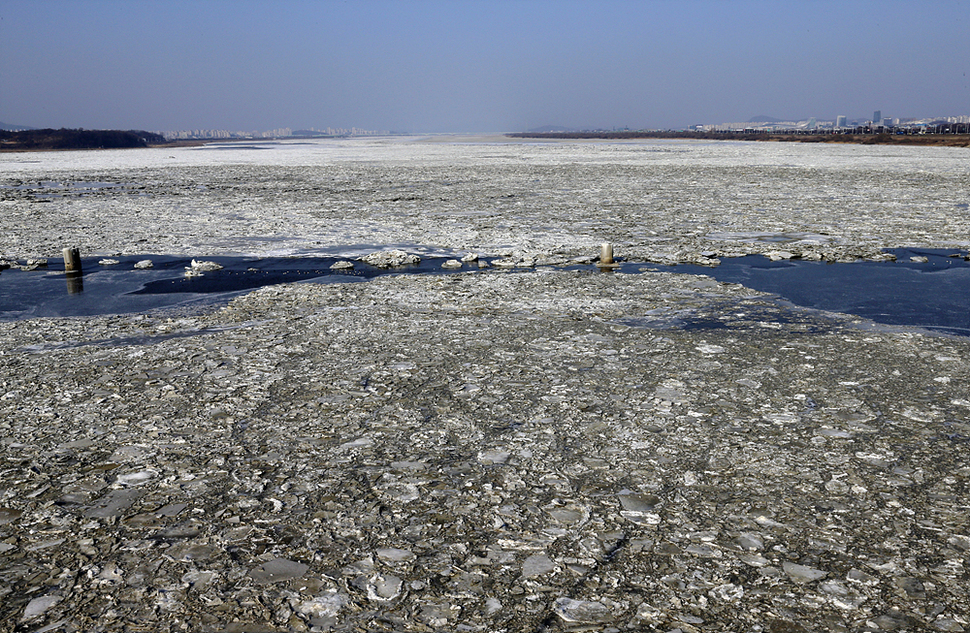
x=877 y=117
x=840 y=121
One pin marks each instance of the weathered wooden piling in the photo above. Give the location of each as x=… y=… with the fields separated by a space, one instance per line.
x=72 y=261
x=72 y=270
x=606 y=253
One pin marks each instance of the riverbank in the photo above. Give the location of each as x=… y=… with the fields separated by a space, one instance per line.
x=65 y=139
x=932 y=140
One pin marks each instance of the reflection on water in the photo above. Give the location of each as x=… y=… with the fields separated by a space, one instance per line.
x=75 y=283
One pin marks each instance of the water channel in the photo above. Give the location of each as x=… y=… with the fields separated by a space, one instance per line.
x=924 y=288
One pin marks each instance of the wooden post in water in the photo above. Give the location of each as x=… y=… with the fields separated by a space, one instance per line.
x=606 y=254
x=72 y=270
x=72 y=261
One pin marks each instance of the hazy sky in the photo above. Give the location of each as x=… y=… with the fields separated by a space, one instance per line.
x=475 y=65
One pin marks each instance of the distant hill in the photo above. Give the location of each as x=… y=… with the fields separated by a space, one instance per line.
x=13 y=128
x=21 y=140
x=764 y=118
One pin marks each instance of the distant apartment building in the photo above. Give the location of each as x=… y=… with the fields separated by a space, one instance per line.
x=877 y=117
x=841 y=121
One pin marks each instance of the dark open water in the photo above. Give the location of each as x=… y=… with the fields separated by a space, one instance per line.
x=933 y=295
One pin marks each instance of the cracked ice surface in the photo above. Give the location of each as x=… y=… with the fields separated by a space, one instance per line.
x=658 y=200
x=496 y=451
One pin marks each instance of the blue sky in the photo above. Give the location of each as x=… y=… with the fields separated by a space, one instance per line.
x=475 y=65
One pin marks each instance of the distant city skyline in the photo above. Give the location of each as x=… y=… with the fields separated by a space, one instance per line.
x=841 y=121
x=474 y=65
x=758 y=122
x=838 y=122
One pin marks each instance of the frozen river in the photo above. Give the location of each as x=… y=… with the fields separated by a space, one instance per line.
x=559 y=450
x=663 y=201
x=667 y=202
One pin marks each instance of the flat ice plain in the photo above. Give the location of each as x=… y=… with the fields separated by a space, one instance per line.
x=485 y=451
x=662 y=200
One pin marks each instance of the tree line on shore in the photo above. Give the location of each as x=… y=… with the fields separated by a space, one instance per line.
x=49 y=139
